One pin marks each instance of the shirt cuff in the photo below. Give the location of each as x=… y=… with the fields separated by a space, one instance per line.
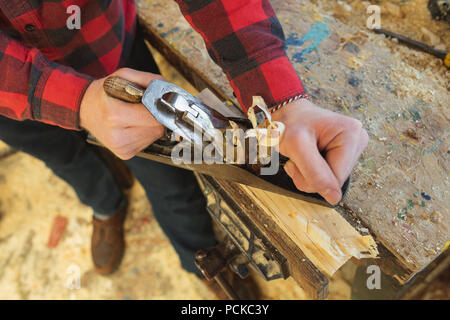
x=57 y=96
x=276 y=81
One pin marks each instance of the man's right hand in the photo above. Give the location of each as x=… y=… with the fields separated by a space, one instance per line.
x=124 y=128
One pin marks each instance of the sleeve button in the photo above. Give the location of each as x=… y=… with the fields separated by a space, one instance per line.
x=30 y=27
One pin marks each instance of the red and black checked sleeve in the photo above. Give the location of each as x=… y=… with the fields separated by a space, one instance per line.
x=245 y=38
x=31 y=87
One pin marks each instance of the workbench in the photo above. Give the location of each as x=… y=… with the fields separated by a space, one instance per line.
x=400 y=188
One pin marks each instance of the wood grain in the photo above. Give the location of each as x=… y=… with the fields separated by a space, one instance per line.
x=326 y=238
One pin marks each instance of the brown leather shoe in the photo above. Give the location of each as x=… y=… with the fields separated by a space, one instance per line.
x=108 y=242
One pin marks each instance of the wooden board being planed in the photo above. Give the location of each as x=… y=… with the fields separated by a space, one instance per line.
x=399 y=188
x=323 y=235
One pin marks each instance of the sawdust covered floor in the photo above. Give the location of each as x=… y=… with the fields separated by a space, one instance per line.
x=31 y=197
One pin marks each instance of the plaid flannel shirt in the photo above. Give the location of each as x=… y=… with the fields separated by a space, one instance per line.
x=45 y=67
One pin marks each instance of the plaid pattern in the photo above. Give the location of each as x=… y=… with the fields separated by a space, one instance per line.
x=246 y=39
x=45 y=67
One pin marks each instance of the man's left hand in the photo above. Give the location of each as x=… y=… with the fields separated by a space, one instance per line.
x=310 y=131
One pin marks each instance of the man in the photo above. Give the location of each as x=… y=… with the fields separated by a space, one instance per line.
x=51 y=81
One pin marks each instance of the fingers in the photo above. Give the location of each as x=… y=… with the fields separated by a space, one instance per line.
x=311 y=130
x=127 y=143
x=124 y=128
x=140 y=77
x=309 y=170
x=297 y=177
x=343 y=152
x=128 y=113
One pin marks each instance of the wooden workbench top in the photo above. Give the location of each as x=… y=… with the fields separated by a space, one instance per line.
x=400 y=188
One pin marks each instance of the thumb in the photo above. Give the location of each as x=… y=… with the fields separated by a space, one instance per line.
x=310 y=171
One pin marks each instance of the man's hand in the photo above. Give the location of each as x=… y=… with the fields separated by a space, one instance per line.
x=310 y=131
x=124 y=128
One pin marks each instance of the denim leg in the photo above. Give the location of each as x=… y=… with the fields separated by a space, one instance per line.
x=178 y=205
x=70 y=157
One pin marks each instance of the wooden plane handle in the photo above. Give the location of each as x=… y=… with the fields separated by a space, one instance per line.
x=123 y=89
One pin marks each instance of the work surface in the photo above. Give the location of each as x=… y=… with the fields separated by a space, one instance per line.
x=400 y=188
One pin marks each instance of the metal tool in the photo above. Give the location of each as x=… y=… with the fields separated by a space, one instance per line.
x=172 y=106
x=181 y=113
x=211 y=262
x=441 y=54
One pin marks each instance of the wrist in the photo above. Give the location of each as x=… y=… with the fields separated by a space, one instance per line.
x=288 y=101
x=285 y=112
x=86 y=104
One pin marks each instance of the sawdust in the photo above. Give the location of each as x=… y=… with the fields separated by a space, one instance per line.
x=411 y=19
x=31 y=270
x=404 y=17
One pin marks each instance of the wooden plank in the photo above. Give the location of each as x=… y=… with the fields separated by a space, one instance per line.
x=400 y=187
x=326 y=238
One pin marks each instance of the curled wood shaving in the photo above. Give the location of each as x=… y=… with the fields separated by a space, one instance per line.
x=268 y=132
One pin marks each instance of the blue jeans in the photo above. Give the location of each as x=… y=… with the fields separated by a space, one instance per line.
x=177 y=201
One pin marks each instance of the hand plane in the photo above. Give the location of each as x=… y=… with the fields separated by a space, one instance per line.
x=189 y=118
